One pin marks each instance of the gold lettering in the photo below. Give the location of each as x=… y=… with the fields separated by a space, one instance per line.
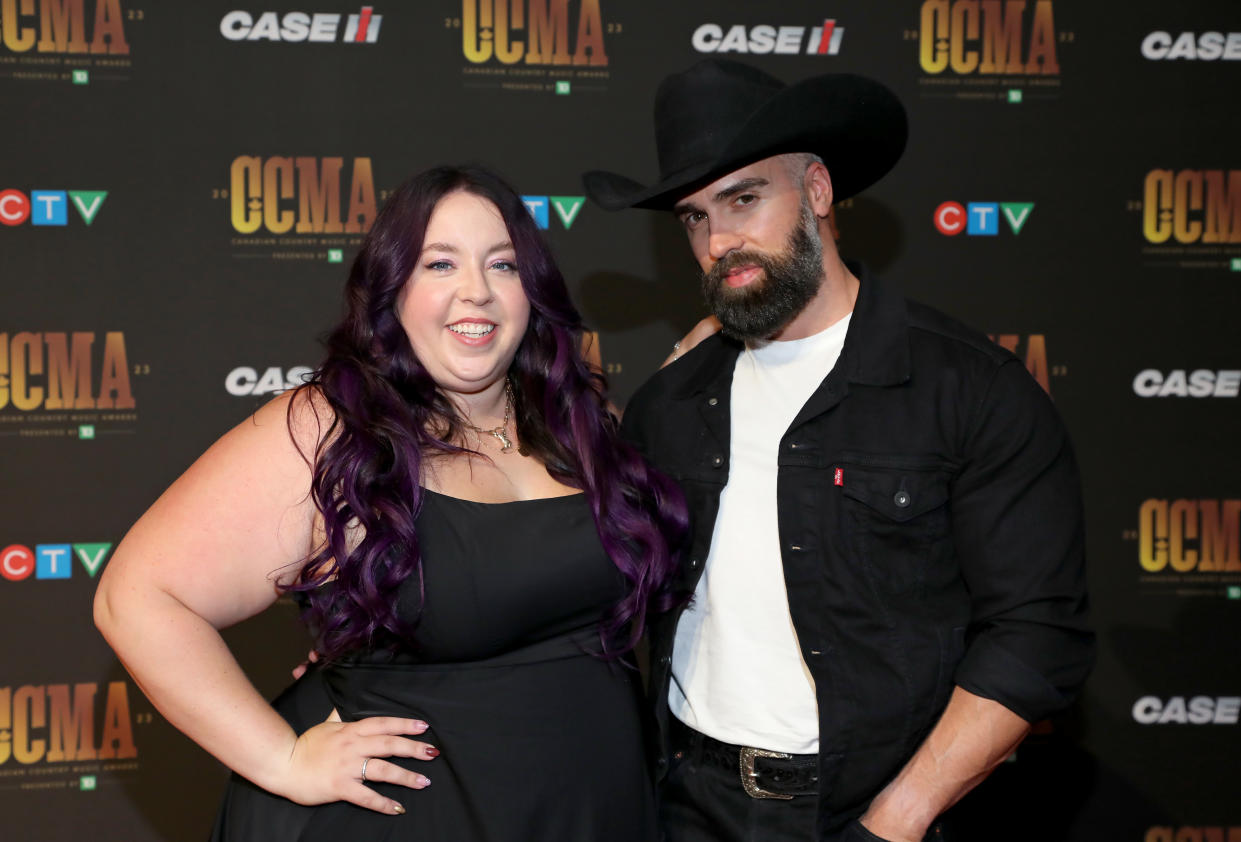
x=72 y=729
x=68 y=371
x=4 y=370
x=1186 y=196
x=27 y=358
x=1001 y=42
x=275 y=188
x=476 y=32
x=1223 y=216
x=6 y=723
x=318 y=209
x=1220 y=536
x=1042 y=56
x=361 y=198
x=1152 y=532
x=1156 y=198
x=590 y=35
x=28 y=713
x=17 y=38
x=117 y=742
x=508 y=53
x=114 y=388
x=1184 y=522
x=548 y=35
x=109 y=24
x=61 y=25
x=245 y=193
x=933 y=36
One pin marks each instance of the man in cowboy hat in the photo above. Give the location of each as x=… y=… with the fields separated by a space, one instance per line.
x=886 y=551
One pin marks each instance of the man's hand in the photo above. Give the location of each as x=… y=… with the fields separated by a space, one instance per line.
x=972 y=737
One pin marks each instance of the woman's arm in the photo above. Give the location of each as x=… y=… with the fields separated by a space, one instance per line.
x=209 y=553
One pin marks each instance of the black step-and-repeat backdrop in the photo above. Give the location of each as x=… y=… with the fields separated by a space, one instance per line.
x=183 y=186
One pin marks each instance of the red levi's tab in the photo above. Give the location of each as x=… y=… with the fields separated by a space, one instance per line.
x=839 y=479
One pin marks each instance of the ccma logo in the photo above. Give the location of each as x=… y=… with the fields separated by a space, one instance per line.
x=567 y=208
x=50 y=561
x=981 y=219
x=49 y=207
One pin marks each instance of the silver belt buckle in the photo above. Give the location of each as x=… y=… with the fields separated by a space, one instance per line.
x=749 y=777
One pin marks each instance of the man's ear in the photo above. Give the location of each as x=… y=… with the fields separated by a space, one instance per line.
x=818 y=187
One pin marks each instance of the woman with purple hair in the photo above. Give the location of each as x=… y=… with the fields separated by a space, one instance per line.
x=475 y=549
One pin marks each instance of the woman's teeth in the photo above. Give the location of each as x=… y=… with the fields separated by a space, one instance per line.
x=472 y=329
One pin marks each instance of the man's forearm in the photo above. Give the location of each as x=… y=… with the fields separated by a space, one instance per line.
x=972 y=737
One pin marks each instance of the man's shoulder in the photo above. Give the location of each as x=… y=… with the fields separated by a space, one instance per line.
x=929 y=326
x=677 y=382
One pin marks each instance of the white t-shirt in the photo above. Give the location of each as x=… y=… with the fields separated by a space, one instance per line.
x=737 y=671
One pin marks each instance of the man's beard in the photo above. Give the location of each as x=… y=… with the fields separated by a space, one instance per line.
x=790 y=279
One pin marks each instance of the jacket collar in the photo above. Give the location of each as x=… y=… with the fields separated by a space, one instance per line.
x=876 y=350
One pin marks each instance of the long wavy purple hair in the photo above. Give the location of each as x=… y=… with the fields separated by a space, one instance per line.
x=388 y=415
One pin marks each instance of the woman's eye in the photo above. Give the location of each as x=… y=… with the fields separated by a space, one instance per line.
x=439 y=265
x=504 y=266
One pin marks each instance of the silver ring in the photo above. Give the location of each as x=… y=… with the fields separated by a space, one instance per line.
x=365 y=760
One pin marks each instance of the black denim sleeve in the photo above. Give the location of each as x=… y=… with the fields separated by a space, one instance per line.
x=1018 y=524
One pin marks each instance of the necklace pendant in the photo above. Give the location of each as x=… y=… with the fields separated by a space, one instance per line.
x=507 y=445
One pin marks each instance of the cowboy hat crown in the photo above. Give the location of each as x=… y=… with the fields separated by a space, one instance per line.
x=721 y=115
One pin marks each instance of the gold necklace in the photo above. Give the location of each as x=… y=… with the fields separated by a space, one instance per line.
x=500 y=432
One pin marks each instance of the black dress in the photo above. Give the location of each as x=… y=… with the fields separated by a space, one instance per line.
x=540 y=740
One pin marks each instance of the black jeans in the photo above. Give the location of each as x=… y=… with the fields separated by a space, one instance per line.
x=705 y=802
x=701 y=802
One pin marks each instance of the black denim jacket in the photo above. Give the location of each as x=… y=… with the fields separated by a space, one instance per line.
x=930 y=526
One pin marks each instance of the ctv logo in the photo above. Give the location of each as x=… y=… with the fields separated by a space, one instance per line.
x=49 y=207
x=981 y=219
x=50 y=561
x=567 y=208
x=295 y=27
x=760 y=40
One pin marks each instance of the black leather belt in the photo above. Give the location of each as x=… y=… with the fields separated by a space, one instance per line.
x=763 y=774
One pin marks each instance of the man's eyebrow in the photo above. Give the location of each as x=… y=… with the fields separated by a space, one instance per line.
x=740 y=187
x=682 y=208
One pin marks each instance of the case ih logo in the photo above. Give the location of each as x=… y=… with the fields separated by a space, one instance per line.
x=821 y=40
x=323 y=27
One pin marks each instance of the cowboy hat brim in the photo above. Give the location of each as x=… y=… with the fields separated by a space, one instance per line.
x=856 y=125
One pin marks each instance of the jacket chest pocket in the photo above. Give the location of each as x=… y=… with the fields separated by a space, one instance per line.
x=897 y=521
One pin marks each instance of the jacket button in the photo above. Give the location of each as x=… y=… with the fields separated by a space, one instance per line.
x=713 y=401
x=793 y=446
x=666 y=660
x=901 y=499
x=717 y=461
x=693 y=563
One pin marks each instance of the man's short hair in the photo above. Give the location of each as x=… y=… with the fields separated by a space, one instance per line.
x=797 y=164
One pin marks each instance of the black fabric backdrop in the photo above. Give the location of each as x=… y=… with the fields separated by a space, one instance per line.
x=239 y=160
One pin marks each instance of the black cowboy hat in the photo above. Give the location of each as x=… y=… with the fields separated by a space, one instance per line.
x=719 y=116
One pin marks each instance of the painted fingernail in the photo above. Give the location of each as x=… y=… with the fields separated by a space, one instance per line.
x=424 y=780
x=420 y=725
x=398 y=809
x=432 y=751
